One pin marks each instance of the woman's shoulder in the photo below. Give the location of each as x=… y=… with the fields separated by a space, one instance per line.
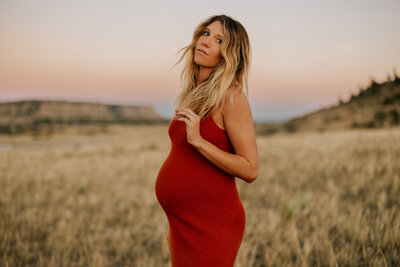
x=234 y=98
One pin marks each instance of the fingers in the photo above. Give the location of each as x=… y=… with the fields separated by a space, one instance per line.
x=183 y=119
x=187 y=112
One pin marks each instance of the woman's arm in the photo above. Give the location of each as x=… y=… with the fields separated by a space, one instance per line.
x=239 y=127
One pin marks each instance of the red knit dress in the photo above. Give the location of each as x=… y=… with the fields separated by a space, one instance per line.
x=206 y=217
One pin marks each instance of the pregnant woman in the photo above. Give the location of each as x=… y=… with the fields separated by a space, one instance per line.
x=212 y=142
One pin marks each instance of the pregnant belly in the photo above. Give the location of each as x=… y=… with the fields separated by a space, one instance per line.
x=189 y=181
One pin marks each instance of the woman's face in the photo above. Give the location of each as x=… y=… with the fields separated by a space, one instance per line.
x=210 y=42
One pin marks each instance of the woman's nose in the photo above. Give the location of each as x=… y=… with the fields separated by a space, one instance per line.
x=206 y=42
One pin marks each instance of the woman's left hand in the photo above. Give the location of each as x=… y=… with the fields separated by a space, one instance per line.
x=192 y=121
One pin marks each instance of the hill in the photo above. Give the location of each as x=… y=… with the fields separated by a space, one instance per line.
x=376 y=106
x=23 y=116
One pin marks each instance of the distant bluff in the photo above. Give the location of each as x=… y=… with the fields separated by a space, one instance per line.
x=378 y=105
x=23 y=116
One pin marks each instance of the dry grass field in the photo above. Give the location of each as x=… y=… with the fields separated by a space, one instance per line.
x=86 y=198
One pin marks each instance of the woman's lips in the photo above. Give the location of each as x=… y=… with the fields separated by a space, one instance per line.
x=201 y=52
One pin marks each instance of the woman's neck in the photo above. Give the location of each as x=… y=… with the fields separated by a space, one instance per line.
x=204 y=72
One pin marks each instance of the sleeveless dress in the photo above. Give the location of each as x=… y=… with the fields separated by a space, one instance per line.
x=205 y=214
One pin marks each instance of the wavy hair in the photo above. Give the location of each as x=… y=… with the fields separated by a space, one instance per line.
x=232 y=70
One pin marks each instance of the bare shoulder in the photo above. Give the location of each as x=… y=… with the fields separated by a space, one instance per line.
x=238 y=119
x=234 y=93
x=218 y=115
x=236 y=103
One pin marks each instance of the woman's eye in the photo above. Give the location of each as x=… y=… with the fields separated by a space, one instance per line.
x=206 y=33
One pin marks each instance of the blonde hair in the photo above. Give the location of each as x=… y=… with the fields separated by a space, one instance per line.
x=232 y=70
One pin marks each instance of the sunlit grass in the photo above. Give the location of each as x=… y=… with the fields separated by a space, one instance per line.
x=321 y=199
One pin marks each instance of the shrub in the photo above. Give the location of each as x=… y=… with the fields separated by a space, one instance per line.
x=394 y=114
x=380 y=116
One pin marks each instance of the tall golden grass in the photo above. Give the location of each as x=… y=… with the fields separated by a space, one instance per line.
x=87 y=199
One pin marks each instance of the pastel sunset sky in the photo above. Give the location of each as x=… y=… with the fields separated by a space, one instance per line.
x=306 y=54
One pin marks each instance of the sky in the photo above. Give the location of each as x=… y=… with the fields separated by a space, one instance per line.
x=306 y=55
